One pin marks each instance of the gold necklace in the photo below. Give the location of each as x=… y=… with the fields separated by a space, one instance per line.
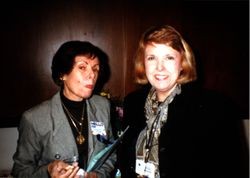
x=80 y=138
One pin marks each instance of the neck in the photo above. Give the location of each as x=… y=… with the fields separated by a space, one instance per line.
x=71 y=96
x=162 y=95
x=72 y=106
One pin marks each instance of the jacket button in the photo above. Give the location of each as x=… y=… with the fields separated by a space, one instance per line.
x=162 y=149
x=57 y=156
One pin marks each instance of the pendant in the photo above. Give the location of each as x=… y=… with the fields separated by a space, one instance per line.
x=80 y=139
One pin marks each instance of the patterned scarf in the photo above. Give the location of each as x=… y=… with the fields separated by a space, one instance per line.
x=156 y=116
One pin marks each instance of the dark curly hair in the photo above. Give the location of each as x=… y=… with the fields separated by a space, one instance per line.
x=64 y=58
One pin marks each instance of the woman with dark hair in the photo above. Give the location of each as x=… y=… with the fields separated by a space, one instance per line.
x=60 y=135
x=177 y=129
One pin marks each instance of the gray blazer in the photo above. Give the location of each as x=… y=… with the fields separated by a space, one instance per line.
x=44 y=132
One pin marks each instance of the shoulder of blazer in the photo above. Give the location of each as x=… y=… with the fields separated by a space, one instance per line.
x=43 y=112
x=98 y=101
x=44 y=106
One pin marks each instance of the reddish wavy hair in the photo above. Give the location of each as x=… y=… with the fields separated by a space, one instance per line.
x=169 y=36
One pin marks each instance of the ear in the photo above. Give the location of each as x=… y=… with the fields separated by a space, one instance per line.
x=63 y=78
x=181 y=69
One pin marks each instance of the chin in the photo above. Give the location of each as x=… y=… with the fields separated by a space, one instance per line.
x=162 y=89
x=87 y=95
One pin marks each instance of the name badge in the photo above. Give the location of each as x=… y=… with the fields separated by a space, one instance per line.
x=139 y=166
x=97 y=128
x=145 y=169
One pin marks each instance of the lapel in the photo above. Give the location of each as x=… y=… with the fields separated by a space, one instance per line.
x=91 y=110
x=61 y=127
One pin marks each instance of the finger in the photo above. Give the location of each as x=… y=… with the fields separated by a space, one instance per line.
x=63 y=169
x=74 y=172
x=90 y=175
x=55 y=169
x=71 y=173
x=75 y=164
x=67 y=173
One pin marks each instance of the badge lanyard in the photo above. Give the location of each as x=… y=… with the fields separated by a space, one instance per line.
x=149 y=141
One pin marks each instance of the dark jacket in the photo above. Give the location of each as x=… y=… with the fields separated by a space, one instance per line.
x=201 y=138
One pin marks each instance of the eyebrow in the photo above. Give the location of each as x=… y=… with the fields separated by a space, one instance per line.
x=81 y=62
x=85 y=62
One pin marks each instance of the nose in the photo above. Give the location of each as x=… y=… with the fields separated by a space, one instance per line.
x=159 y=65
x=90 y=73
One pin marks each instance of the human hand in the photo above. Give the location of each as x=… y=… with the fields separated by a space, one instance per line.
x=90 y=175
x=60 y=169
